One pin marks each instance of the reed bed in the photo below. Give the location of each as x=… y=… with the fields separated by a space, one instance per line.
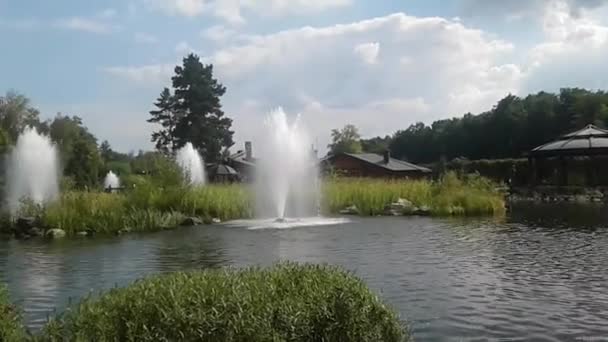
x=147 y=206
x=287 y=302
x=11 y=328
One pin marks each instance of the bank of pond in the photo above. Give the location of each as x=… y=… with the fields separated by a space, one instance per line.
x=149 y=206
x=286 y=302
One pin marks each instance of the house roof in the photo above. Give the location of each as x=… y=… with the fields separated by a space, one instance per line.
x=589 y=140
x=393 y=164
x=240 y=157
x=223 y=169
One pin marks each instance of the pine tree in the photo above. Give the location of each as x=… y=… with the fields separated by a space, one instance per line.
x=197 y=97
x=166 y=116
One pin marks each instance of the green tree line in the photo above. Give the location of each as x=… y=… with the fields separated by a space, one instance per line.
x=512 y=127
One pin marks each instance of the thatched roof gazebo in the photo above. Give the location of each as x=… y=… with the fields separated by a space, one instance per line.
x=589 y=143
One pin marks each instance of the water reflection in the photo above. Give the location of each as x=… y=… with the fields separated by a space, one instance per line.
x=520 y=277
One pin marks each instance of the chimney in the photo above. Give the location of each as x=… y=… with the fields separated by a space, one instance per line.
x=387 y=156
x=248 y=150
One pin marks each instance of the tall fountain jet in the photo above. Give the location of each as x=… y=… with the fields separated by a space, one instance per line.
x=191 y=163
x=287 y=177
x=111 y=181
x=33 y=170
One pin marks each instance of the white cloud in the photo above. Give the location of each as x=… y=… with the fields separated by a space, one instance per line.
x=183 y=48
x=186 y=8
x=573 y=54
x=145 y=38
x=85 y=25
x=231 y=10
x=217 y=33
x=368 y=52
x=431 y=68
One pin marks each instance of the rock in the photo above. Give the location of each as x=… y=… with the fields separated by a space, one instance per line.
x=82 y=234
x=192 y=221
x=424 y=210
x=55 y=233
x=123 y=231
x=35 y=232
x=351 y=210
x=400 y=208
x=216 y=220
x=25 y=223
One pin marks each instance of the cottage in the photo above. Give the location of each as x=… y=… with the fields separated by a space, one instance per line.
x=372 y=165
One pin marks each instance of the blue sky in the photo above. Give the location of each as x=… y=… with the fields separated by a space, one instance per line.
x=380 y=65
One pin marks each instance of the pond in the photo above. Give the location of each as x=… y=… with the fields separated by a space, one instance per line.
x=533 y=276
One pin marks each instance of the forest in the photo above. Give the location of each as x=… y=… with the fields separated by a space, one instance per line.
x=511 y=128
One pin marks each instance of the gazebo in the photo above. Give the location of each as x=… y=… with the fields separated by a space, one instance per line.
x=583 y=149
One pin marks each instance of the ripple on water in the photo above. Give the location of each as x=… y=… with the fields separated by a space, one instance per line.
x=453 y=280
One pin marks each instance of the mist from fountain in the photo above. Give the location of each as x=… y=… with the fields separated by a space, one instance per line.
x=192 y=165
x=287 y=178
x=33 y=170
x=111 y=181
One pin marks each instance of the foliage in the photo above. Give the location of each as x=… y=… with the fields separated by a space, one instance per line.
x=451 y=195
x=288 y=302
x=376 y=145
x=167 y=115
x=78 y=148
x=193 y=113
x=16 y=114
x=11 y=328
x=345 y=140
x=514 y=126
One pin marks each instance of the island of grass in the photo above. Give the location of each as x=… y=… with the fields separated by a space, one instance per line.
x=286 y=302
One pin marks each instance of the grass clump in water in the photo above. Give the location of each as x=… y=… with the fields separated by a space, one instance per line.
x=450 y=195
x=11 y=328
x=288 y=302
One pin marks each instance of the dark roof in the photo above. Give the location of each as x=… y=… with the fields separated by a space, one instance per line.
x=393 y=164
x=223 y=169
x=240 y=157
x=589 y=140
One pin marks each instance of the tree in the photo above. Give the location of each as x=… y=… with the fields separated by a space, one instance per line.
x=78 y=149
x=167 y=116
x=376 y=145
x=16 y=114
x=193 y=113
x=346 y=140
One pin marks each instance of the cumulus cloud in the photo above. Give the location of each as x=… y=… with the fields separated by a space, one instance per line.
x=217 y=33
x=430 y=68
x=368 y=52
x=573 y=53
x=520 y=8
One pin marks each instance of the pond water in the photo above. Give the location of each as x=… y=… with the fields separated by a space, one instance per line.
x=541 y=274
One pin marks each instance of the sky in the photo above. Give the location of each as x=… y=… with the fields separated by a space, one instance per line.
x=380 y=65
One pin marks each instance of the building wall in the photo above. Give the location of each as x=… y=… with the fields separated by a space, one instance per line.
x=353 y=167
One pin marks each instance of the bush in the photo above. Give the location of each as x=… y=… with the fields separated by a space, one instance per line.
x=11 y=328
x=288 y=302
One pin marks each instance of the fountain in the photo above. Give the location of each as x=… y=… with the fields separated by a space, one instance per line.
x=111 y=181
x=287 y=178
x=33 y=170
x=191 y=163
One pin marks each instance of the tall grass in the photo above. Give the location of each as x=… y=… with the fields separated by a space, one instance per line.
x=288 y=302
x=11 y=328
x=471 y=195
x=149 y=206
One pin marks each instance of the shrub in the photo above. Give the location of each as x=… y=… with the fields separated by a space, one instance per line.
x=287 y=302
x=11 y=328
